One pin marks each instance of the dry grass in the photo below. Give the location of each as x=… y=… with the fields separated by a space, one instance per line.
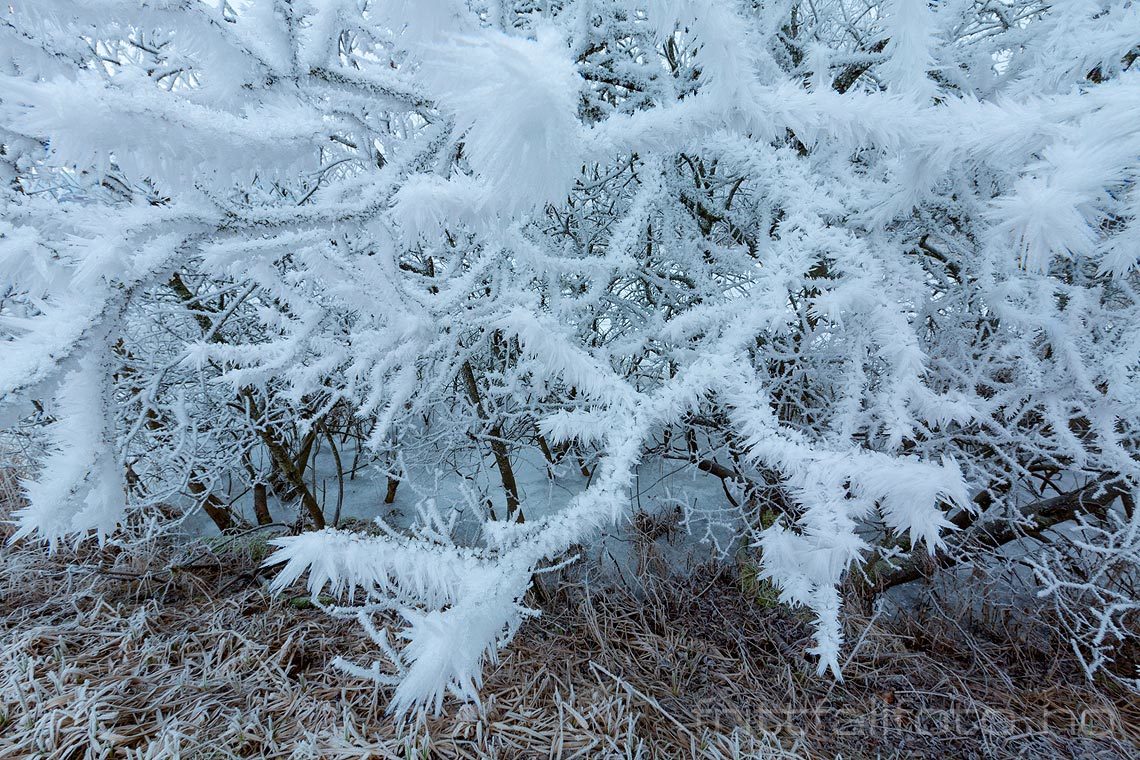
x=109 y=655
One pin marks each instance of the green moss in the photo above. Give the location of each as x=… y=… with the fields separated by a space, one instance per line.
x=306 y=602
x=768 y=518
x=752 y=586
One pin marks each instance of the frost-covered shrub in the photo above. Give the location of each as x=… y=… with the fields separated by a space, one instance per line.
x=873 y=264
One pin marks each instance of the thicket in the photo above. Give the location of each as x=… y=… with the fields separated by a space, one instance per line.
x=872 y=265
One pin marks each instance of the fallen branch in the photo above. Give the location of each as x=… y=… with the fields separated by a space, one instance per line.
x=1093 y=498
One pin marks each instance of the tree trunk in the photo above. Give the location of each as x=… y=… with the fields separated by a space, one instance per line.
x=498 y=445
x=213 y=506
x=261 y=504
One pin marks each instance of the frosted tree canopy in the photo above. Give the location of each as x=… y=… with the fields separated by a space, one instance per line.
x=871 y=263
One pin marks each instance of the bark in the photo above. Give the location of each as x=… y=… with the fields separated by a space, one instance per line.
x=339 y=474
x=1042 y=515
x=498 y=444
x=547 y=454
x=293 y=475
x=851 y=74
x=390 y=495
x=213 y=506
x=261 y=504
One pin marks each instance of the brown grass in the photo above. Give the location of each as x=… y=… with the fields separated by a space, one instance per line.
x=106 y=653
